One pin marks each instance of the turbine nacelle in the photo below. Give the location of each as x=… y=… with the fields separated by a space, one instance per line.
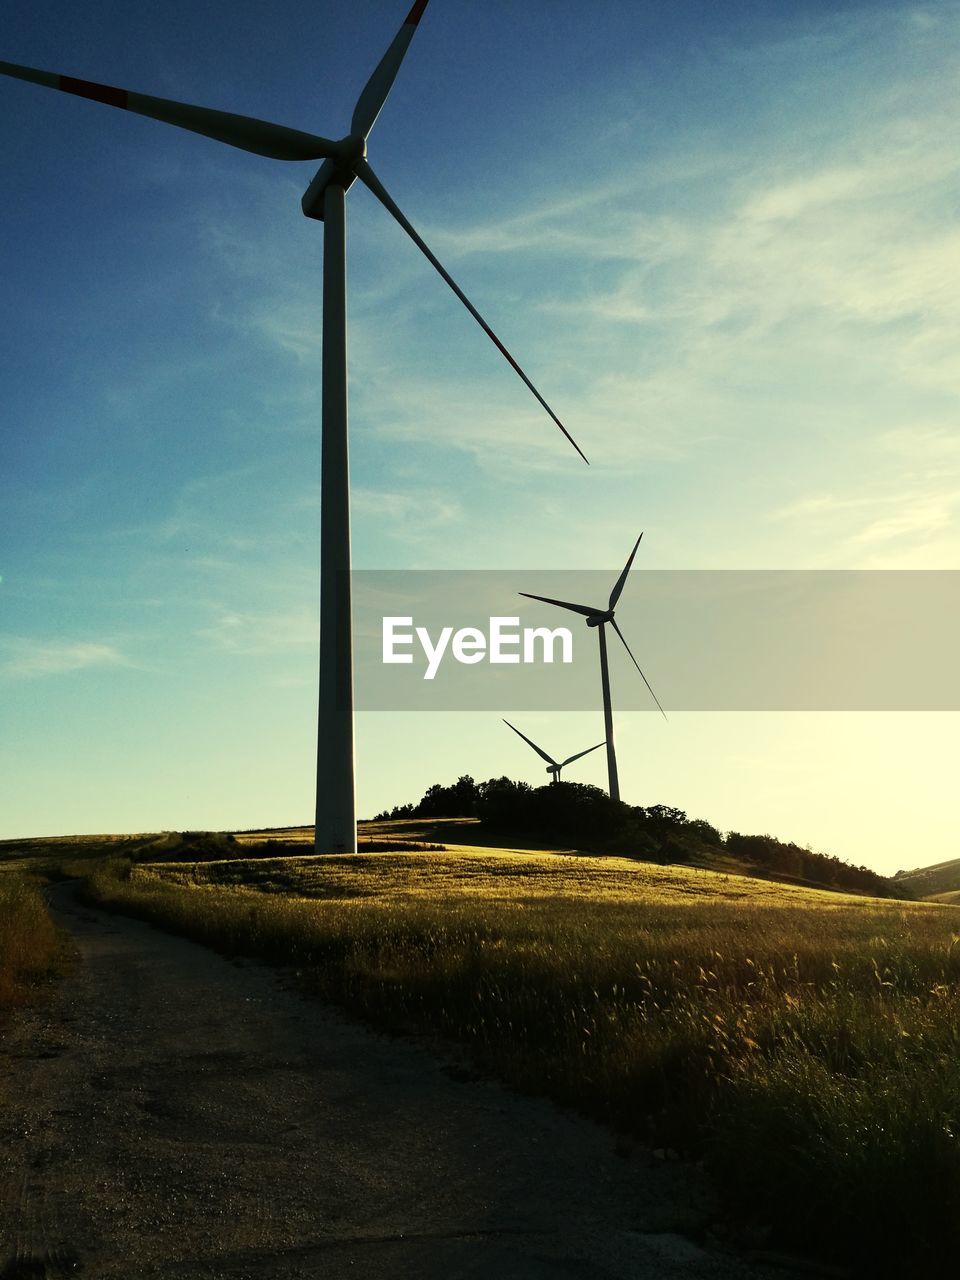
x=598 y=619
x=339 y=168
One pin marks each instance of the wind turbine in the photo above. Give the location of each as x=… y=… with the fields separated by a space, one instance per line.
x=343 y=161
x=599 y=618
x=552 y=765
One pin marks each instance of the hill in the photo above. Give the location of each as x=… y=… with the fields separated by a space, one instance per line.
x=937 y=882
x=586 y=818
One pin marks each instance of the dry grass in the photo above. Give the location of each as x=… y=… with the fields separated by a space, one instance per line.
x=495 y=875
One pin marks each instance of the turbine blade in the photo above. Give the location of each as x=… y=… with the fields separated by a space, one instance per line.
x=540 y=752
x=618 y=588
x=637 y=665
x=370 y=179
x=258 y=136
x=570 y=759
x=564 y=604
x=375 y=91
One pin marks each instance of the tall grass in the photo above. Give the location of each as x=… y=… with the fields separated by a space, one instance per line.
x=30 y=945
x=807 y=1044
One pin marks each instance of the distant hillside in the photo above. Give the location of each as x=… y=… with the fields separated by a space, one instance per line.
x=927 y=882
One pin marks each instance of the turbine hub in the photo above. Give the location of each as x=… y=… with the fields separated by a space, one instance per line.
x=598 y=619
x=353 y=147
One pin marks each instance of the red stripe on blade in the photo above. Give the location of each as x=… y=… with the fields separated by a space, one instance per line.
x=97 y=92
x=415 y=14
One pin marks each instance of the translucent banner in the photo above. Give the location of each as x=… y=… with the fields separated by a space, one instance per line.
x=705 y=641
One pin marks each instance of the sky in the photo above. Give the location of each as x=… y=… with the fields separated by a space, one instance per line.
x=723 y=241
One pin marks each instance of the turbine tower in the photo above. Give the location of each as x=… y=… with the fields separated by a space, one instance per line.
x=344 y=160
x=553 y=766
x=597 y=617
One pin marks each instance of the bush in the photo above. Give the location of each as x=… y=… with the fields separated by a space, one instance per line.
x=30 y=946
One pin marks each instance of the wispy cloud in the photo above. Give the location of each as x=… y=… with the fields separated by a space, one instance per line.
x=409 y=515
x=919 y=516
x=253 y=634
x=911 y=526
x=21 y=658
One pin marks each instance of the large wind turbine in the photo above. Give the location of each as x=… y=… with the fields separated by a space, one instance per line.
x=553 y=766
x=343 y=162
x=599 y=618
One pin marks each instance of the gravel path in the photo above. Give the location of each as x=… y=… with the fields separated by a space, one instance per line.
x=175 y=1115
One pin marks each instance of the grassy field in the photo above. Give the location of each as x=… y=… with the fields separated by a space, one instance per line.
x=806 y=1044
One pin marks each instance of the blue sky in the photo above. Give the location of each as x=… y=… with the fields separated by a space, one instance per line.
x=722 y=240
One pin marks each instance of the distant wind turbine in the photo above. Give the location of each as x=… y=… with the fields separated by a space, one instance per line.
x=552 y=765
x=599 y=618
x=343 y=162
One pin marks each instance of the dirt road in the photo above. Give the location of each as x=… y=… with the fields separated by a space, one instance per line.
x=172 y=1114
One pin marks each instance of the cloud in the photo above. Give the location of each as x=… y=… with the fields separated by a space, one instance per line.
x=892 y=527
x=295 y=329
x=253 y=634
x=25 y=659
x=411 y=515
x=920 y=515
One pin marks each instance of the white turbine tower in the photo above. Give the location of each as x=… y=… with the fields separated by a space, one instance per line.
x=343 y=161
x=553 y=766
x=599 y=618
